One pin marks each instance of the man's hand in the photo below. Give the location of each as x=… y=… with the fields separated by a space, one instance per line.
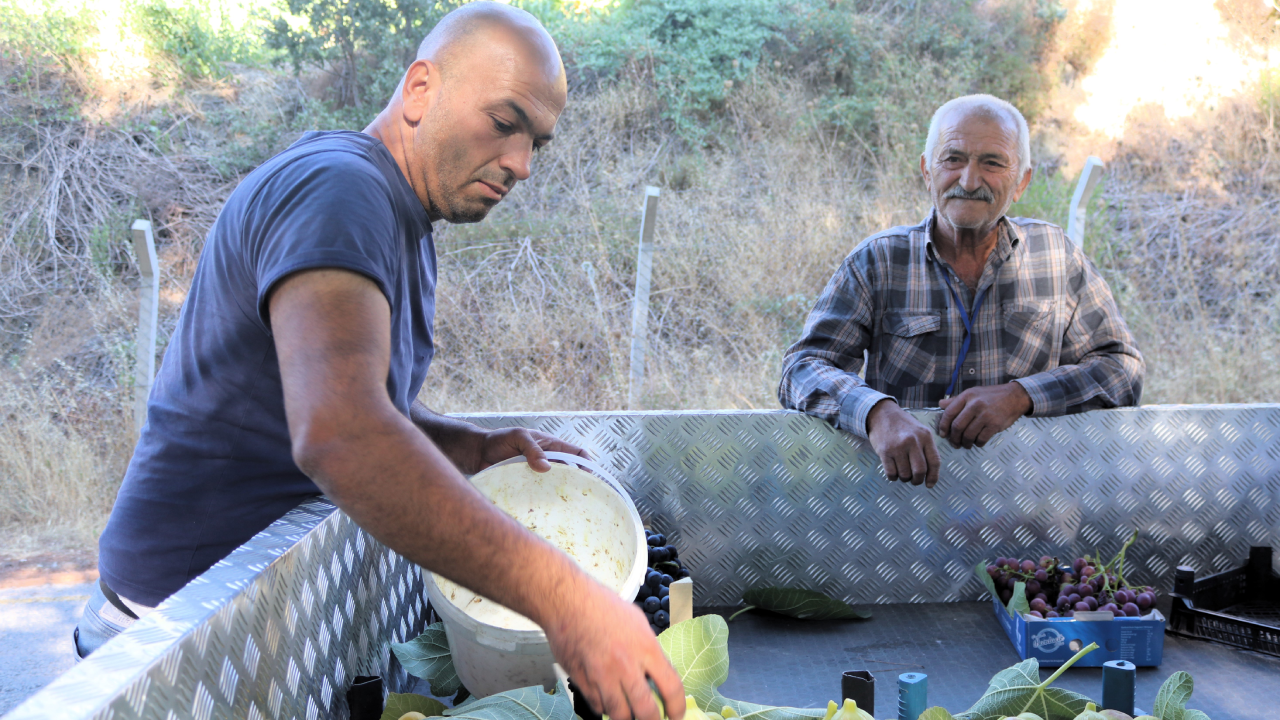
x=472 y=448
x=607 y=648
x=975 y=416
x=498 y=445
x=904 y=445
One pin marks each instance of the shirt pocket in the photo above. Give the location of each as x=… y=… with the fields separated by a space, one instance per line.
x=909 y=348
x=1032 y=338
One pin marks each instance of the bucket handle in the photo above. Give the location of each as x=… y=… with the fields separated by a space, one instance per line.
x=583 y=463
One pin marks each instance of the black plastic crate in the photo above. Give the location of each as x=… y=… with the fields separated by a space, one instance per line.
x=1239 y=607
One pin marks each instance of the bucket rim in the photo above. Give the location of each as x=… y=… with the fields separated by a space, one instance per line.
x=627 y=591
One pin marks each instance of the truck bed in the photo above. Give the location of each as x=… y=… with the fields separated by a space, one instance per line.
x=776 y=660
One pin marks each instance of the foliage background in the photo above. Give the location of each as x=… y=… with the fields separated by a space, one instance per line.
x=781 y=133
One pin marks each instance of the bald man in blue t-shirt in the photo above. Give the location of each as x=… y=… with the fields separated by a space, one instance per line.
x=304 y=341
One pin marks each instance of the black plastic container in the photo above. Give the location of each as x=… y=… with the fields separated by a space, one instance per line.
x=1239 y=607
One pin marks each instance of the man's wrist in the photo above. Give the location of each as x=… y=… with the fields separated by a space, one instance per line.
x=879 y=411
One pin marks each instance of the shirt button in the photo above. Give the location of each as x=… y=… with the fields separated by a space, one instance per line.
x=972 y=371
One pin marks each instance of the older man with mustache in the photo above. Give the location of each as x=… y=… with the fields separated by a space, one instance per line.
x=989 y=317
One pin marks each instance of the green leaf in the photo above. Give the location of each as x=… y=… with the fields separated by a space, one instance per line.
x=802 y=604
x=990 y=584
x=1171 y=701
x=1018 y=604
x=1193 y=714
x=1018 y=689
x=531 y=703
x=936 y=713
x=399 y=704
x=699 y=651
x=427 y=657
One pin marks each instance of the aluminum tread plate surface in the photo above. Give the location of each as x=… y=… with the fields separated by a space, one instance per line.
x=276 y=631
x=780 y=498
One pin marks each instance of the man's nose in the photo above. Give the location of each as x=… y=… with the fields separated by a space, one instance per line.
x=517 y=162
x=970 y=177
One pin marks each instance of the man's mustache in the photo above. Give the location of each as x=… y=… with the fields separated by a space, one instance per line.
x=982 y=193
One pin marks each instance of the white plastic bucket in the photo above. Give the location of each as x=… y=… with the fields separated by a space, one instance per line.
x=590 y=517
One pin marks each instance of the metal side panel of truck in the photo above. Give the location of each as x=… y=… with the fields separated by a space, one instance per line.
x=279 y=629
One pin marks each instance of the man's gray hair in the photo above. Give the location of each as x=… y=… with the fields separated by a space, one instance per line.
x=992 y=106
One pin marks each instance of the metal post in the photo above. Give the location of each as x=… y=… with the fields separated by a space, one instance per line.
x=640 y=308
x=1089 y=178
x=144 y=249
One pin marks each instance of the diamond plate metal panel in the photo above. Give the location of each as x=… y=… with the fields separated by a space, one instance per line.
x=776 y=497
x=276 y=631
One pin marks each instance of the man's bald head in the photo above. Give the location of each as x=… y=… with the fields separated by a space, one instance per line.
x=482 y=23
x=482 y=97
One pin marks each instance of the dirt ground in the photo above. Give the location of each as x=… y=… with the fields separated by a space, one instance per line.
x=64 y=567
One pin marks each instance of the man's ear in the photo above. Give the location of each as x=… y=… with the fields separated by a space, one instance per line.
x=924 y=172
x=418 y=90
x=1022 y=186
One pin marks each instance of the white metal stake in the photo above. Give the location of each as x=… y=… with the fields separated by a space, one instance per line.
x=1089 y=178
x=640 y=308
x=144 y=249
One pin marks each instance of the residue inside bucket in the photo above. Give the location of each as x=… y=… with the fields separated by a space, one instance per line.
x=570 y=509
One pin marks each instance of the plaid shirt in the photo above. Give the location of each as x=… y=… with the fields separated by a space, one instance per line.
x=1048 y=322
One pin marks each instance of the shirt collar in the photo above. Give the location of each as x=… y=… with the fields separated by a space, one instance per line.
x=1010 y=238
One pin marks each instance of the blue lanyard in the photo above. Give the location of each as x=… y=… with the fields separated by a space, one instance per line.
x=968 y=325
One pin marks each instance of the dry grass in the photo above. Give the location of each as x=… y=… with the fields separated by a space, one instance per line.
x=534 y=307
x=1193 y=252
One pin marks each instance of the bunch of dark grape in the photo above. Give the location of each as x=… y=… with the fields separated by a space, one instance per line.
x=665 y=568
x=1058 y=590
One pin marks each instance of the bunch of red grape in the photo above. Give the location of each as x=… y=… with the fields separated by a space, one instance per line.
x=665 y=568
x=1056 y=590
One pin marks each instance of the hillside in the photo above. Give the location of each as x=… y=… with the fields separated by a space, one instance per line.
x=780 y=134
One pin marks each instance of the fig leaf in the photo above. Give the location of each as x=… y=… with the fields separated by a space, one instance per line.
x=800 y=604
x=699 y=651
x=1019 y=690
x=427 y=657
x=531 y=703
x=398 y=704
x=1171 y=701
x=936 y=713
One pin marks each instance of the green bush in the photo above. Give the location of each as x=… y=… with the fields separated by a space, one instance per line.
x=46 y=29
x=186 y=35
x=367 y=44
x=881 y=73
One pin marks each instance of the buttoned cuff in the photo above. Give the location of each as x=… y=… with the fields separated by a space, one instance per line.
x=1047 y=398
x=854 y=408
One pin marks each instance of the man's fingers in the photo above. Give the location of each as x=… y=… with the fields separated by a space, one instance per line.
x=532 y=451
x=640 y=698
x=669 y=686
x=961 y=424
x=988 y=431
x=890 y=467
x=551 y=443
x=935 y=463
x=919 y=468
x=974 y=428
x=615 y=703
x=950 y=411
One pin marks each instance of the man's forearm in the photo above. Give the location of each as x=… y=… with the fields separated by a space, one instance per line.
x=395 y=483
x=815 y=387
x=1104 y=380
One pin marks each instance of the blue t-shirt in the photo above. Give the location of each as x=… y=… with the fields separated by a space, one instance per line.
x=214 y=464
